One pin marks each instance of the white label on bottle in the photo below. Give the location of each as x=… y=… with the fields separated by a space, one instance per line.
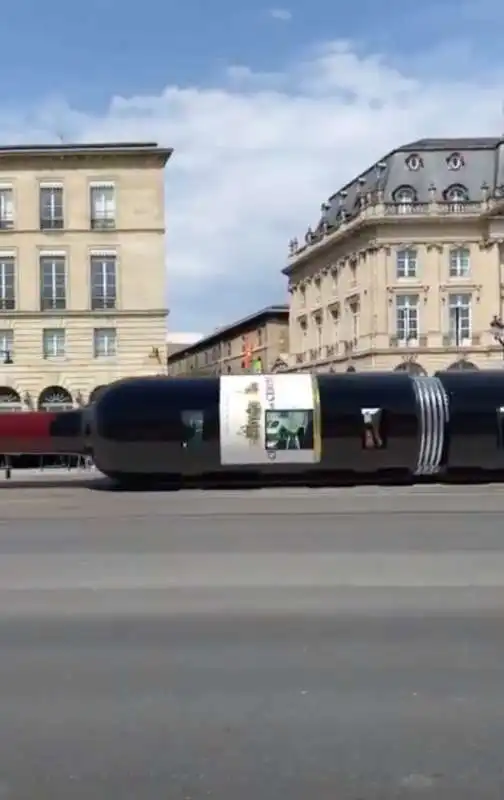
x=269 y=419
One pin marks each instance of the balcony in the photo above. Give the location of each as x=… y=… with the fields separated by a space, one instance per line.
x=51 y=223
x=375 y=210
x=103 y=223
x=409 y=342
x=458 y=340
x=400 y=209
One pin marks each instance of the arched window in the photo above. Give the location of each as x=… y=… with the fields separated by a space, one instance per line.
x=411 y=367
x=9 y=399
x=462 y=364
x=97 y=391
x=404 y=197
x=55 y=398
x=456 y=196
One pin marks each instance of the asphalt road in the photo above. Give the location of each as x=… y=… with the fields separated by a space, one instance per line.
x=309 y=645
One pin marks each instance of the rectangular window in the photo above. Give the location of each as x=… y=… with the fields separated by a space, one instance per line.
x=318 y=333
x=500 y=428
x=192 y=428
x=7 y=283
x=407 y=327
x=103 y=282
x=460 y=319
x=460 y=262
x=53 y=342
x=52 y=282
x=373 y=437
x=102 y=206
x=104 y=342
x=406 y=263
x=6 y=346
x=355 y=321
x=51 y=208
x=6 y=208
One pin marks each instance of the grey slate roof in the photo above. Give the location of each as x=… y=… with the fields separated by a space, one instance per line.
x=233 y=330
x=428 y=169
x=86 y=149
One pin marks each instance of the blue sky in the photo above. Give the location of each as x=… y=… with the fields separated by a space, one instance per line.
x=269 y=109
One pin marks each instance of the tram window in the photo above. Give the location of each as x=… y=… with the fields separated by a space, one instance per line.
x=192 y=428
x=373 y=437
x=500 y=428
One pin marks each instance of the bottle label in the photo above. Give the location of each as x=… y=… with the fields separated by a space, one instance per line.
x=269 y=419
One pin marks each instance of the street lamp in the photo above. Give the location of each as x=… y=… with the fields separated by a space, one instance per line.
x=497 y=328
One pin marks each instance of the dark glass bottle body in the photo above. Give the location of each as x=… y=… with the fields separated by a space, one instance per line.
x=365 y=423
x=475 y=439
x=156 y=426
x=370 y=423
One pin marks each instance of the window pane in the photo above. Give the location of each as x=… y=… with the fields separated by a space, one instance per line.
x=103 y=282
x=102 y=206
x=6 y=209
x=51 y=208
x=52 y=282
x=104 y=342
x=407 y=317
x=6 y=344
x=459 y=262
x=460 y=317
x=53 y=341
x=406 y=263
x=7 y=284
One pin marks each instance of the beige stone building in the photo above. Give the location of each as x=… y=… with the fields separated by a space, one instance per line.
x=82 y=270
x=405 y=268
x=257 y=343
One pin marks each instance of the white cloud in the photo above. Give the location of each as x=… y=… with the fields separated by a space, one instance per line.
x=282 y=14
x=256 y=157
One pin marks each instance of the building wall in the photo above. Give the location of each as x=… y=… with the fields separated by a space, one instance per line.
x=346 y=292
x=266 y=339
x=137 y=240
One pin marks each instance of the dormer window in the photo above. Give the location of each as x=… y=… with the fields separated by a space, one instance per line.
x=457 y=196
x=455 y=161
x=414 y=162
x=404 y=197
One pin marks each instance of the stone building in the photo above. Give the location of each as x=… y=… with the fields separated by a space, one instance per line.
x=258 y=342
x=82 y=270
x=405 y=267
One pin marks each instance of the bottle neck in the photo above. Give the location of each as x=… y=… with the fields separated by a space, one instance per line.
x=42 y=433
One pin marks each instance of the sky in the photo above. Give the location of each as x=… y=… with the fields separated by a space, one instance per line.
x=269 y=109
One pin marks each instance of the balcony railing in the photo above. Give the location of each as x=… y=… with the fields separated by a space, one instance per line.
x=398 y=209
x=103 y=223
x=51 y=223
x=375 y=209
x=457 y=340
